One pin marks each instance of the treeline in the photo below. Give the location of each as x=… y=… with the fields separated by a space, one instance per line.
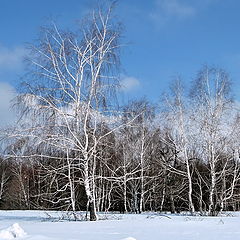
x=181 y=156
x=74 y=149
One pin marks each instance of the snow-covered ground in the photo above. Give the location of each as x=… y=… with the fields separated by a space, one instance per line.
x=36 y=225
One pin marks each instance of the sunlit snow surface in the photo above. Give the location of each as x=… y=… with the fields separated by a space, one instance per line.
x=14 y=231
x=37 y=225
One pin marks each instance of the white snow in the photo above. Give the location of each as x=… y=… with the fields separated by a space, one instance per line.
x=148 y=226
x=14 y=231
x=129 y=238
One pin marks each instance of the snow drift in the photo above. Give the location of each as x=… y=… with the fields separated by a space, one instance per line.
x=14 y=231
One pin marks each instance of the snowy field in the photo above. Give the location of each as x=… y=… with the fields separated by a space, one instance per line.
x=36 y=225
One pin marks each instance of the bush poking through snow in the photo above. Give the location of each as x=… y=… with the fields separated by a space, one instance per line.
x=14 y=231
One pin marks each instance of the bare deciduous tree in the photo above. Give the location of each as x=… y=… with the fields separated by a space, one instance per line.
x=72 y=96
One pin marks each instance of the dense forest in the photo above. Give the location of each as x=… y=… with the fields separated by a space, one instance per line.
x=75 y=149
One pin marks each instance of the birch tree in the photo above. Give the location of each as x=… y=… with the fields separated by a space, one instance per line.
x=178 y=122
x=211 y=95
x=70 y=95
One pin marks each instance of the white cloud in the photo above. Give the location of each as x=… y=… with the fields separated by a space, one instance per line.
x=166 y=10
x=129 y=83
x=7 y=93
x=237 y=106
x=11 y=58
x=177 y=8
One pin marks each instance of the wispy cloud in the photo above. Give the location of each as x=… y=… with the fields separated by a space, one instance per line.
x=11 y=58
x=7 y=93
x=166 y=10
x=129 y=83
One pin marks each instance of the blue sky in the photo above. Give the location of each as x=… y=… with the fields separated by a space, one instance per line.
x=164 y=38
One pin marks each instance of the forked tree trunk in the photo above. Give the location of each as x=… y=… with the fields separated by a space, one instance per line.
x=91 y=205
x=92 y=210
